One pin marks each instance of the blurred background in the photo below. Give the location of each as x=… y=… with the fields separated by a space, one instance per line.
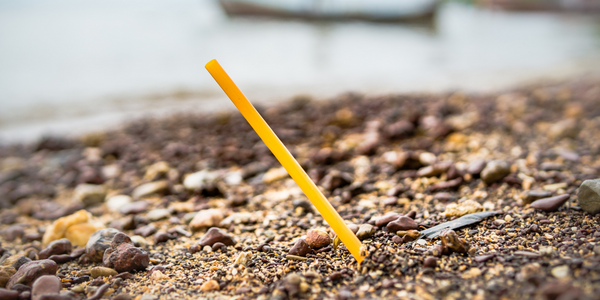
x=68 y=66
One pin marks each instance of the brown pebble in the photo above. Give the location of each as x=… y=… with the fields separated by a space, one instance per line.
x=301 y=248
x=550 y=204
x=430 y=262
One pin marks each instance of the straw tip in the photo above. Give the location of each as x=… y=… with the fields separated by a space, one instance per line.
x=211 y=63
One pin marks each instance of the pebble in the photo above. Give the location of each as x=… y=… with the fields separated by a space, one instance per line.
x=318 y=239
x=8 y=294
x=161 y=237
x=96 y=272
x=146 y=231
x=476 y=166
x=98 y=243
x=134 y=208
x=214 y=235
x=115 y=203
x=79 y=234
x=5 y=274
x=560 y=271
x=12 y=233
x=45 y=286
x=30 y=271
x=157 y=169
x=123 y=256
x=494 y=171
x=77 y=228
x=551 y=204
x=206 y=218
x=409 y=235
x=211 y=285
x=243 y=258
x=158 y=214
x=589 y=196
x=402 y=224
x=530 y=196
x=452 y=243
x=385 y=219
x=365 y=231
x=62 y=246
x=566 y=128
x=430 y=262
x=463 y=208
x=300 y=248
x=158 y=276
x=15 y=261
x=196 y=181
x=89 y=194
x=150 y=188
x=274 y=174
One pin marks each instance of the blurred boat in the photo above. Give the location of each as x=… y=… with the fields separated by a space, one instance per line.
x=579 y=6
x=370 y=10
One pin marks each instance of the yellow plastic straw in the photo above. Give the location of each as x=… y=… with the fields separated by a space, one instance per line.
x=286 y=159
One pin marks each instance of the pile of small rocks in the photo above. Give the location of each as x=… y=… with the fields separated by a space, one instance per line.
x=454 y=196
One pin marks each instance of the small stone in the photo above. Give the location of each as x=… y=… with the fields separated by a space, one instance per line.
x=158 y=214
x=117 y=202
x=385 y=219
x=589 y=196
x=44 y=286
x=463 y=208
x=530 y=196
x=62 y=227
x=218 y=246
x=430 y=262
x=566 y=128
x=409 y=235
x=62 y=246
x=196 y=181
x=12 y=233
x=476 y=166
x=560 y=271
x=243 y=258
x=79 y=234
x=134 y=208
x=30 y=271
x=452 y=243
x=206 y=218
x=90 y=194
x=158 y=276
x=211 y=285
x=157 y=169
x=365 y=231
x=161 y=237
x=150 y=188
x=146 y=231
x=551 y=204
x=214 y=235
x=550 y=166
x=274 y=174
x=98 y=243
x=318 y=239
x=15 y=261
x=123 y=256
x=139 y=241
x=5 y=274
x=494 y=171
x=102 y=272
x=301 y=248
x=402 y=224
x=8 y=294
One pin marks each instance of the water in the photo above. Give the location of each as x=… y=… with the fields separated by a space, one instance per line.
x=69 y=66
